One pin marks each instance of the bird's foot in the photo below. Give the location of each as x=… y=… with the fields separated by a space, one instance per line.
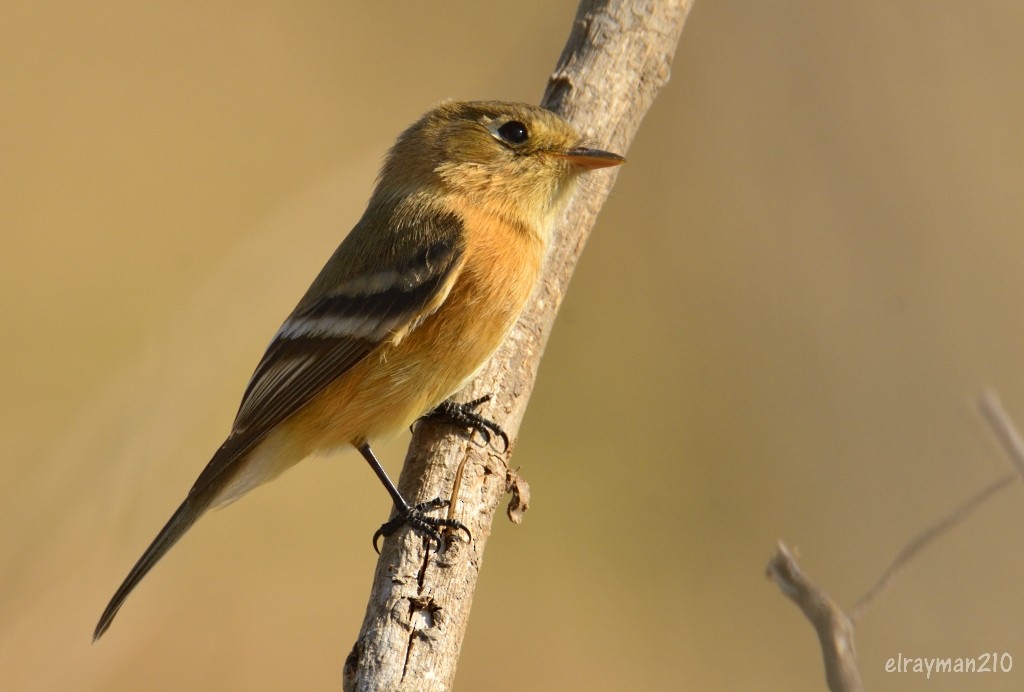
x=417 y=519
x=465 y=415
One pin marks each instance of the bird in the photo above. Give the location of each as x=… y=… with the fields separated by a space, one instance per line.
x=409 y=307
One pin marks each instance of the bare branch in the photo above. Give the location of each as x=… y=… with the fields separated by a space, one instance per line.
x=616 y=59
x=834 y=628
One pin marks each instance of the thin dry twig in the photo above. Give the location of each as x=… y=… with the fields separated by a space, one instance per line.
x=919 y=542
x=1005 y=432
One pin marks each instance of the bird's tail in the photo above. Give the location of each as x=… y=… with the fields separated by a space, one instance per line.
x=183 y=518
x=228 y=476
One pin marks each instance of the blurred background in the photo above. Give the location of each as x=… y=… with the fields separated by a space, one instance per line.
x=809 y=268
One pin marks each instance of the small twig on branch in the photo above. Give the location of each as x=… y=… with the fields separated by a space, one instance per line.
x=617 y=58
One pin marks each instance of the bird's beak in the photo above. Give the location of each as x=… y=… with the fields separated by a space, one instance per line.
x=590 y=159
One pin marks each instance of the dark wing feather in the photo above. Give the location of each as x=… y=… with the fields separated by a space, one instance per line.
x=326 y=336
x=297 y=366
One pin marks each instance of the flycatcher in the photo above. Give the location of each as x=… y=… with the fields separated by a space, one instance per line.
x=406 y=310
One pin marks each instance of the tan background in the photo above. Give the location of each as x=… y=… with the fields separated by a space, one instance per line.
x=812 y=260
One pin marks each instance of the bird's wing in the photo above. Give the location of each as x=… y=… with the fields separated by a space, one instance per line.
x=327 y=335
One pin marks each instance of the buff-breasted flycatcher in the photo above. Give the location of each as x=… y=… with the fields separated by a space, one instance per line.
x=407 y=309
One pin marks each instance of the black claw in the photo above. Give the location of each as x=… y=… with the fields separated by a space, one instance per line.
x=418 y=520
x=465 y=415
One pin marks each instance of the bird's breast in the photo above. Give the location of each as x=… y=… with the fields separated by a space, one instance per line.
x=498 y=276
x=400 y=381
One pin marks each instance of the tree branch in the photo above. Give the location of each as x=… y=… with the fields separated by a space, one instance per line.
x=834 y=628
x=617 y=58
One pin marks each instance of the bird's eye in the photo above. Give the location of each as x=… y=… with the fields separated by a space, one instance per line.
x=513 y=132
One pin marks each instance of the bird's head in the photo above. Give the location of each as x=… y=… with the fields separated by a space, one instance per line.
x=518 y=161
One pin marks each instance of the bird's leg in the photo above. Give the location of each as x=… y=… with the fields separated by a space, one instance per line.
x=415 y=516
x=465 y=415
